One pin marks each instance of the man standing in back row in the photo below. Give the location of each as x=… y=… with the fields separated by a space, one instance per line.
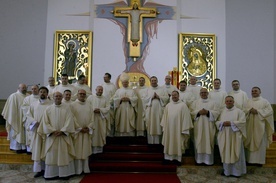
x=156 y=99
x=240 y=96
x=125 y=106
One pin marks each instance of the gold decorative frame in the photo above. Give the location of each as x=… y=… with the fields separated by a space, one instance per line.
x=72 y=54
x=197 y=57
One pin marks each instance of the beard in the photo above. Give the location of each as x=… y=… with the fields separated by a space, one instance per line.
x=42 y=97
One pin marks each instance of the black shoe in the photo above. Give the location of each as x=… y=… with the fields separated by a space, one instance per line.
x=166 y=162
x=21 y=151
x=235 y=176
x=53 y=178
x=29 y=153
x=223 y=174
x=64 y=178
x=178 y=163
x=39 y=174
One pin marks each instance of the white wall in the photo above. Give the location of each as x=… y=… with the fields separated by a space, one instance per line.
x=250 y=36
x=207 y=16
x=63 y=15
x=22 y=37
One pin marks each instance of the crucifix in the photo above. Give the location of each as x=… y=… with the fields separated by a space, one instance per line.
x=135 y=14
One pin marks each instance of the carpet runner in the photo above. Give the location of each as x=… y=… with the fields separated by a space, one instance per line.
x=130 y=154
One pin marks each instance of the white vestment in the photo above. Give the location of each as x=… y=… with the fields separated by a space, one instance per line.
x=154 y=113
x=218 y=95
x=170 y=88
x=83 y=115
x=65 y=102
x=186 y=97
x=195 y=90
x=25 y=107
x=230 y=141
x=109 y=90
x=61 y=88
x=240 y=98
x=59 y=151
x=140 y=120
x=51 y=91
x=204 y=130
x=83 y=87
x=101 y=124
x=125 y=112
x=34 y=117
x=260 y=128
x=176 y=123
x=13 y=115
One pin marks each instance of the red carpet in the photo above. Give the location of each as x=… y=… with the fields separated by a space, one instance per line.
x=130 y=178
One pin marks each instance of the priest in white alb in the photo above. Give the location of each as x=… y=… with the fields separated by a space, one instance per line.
x=155 y=101
x=57 y=127
x=194 y=88
x=80 y=84
x=168 y=86
x=217 y=94
x=176 y=124
x=140 y=120
x=239 y=95
x=100 y=108
x=204 y=113
x=232 y=132
x=34 y=117
x=125 y=106
x=34 y=97
x=83 y=116
x=259 y=126
x=184 y=95
x=13 y=115
x=109 y=90
x=65 y=85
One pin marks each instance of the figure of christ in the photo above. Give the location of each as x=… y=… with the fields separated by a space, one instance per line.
x=135 y=18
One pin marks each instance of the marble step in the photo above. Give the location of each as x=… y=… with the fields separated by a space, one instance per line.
x=13 y=158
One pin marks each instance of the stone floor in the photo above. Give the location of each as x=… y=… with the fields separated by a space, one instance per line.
x=209 y=174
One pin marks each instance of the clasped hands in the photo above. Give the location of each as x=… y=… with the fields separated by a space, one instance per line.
x=155 y=96
x=125 y=99
x=253 y=111
x=57 y=133
x=227 y=123
x=84 y=130
x=203 y=112
x=97 y=110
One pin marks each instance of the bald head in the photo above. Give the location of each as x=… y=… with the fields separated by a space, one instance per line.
x=193 y=80
x=35 y=89
x=57 y=98
x=168 y=79
x=99 y=90
x=22 y=88
x=204 y=93
x=81 y=95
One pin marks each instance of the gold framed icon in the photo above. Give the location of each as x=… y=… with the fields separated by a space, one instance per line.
x=197 y=57
x=72 y=54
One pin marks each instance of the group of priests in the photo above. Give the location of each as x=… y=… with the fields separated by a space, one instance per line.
x=61 y=126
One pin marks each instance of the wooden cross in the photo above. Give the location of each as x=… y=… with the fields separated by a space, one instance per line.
x=135 y=14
